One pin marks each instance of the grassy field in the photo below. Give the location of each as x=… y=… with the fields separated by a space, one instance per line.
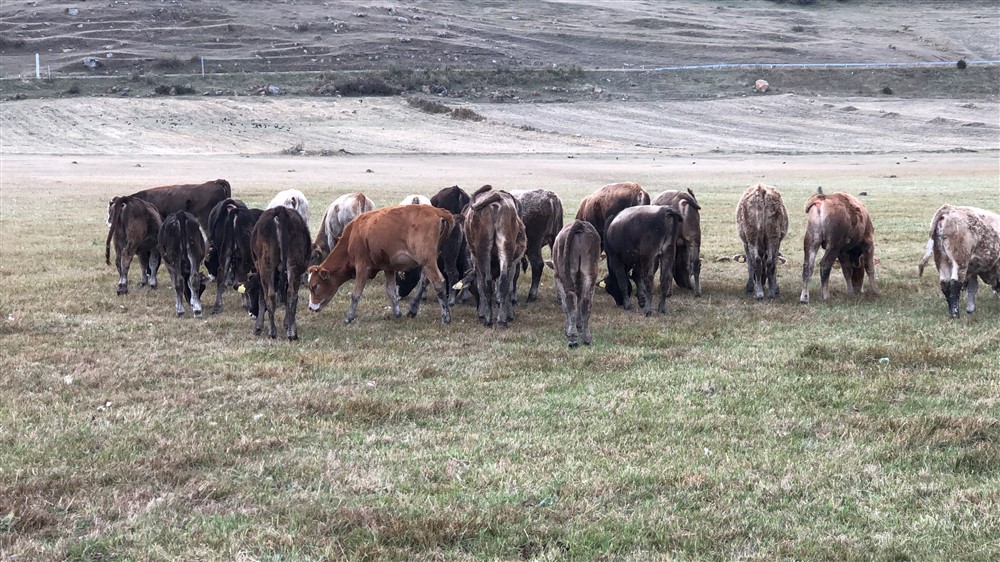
x=850 y=429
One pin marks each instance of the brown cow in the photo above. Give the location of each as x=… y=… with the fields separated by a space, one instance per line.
x=687 y=262
x=965 y=242
x=762 y=222
x=840 y=224
x=197 y=199
x=280 y=244
x=182 y=248
x=390 y=240
x=338 y=214
x=135 y=225
x=576 y=255
x=497 y=241
x=601 y=206
x=542 y=215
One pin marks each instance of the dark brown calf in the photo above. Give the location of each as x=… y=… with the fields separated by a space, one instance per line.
x=134 y=226
x=197 y=199
x=497 y=241
x=390 y=240
x=576 y=255
x=687 y=262
x=638 y=239
x=839 y=223
x=280 y=245
x=542 y=215
x=182 y=247
x=600 y=207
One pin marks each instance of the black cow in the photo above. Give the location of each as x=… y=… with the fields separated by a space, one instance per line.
x=542 y=214
x=280 y=245
x=636 y=240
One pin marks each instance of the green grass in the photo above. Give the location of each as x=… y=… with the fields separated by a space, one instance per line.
x=725 y=429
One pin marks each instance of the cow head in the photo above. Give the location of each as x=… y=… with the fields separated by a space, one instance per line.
x=324 y=284
x=250 y=290
x=610 y=284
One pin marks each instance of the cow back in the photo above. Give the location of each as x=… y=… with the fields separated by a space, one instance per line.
x=197 y=199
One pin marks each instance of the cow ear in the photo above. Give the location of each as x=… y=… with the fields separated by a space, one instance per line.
x=313 y=269
x=324 y=275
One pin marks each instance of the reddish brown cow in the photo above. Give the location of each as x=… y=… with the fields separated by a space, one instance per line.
x=541 y=212
x=390 y=240
x=497 y=241
x=965 y=243
x=338 y=214
x=840 y=224
x=135 y=225
x=197 y=199
x=762 y=222
x=280 y=244
x=687 y=262
x=600 y=207
x=576 y=255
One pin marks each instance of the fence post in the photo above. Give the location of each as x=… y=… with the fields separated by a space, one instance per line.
x=38 y=66
x=202 y=67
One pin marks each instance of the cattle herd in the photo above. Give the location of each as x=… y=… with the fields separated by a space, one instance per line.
x=476 y=245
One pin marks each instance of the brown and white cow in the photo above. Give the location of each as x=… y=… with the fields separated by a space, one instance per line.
x=497 y=241
x=197 y=199
x=542 y=215
x=965 y=243
x=338 y=214
x=601 y=206
x=182 y=248
x=762 y=222
x=638 y=239
x=134 y=226
x=294 y=200
x=687 y=262
x=390 y=240
x=280 y=243
x=576 y=255
x=840 y=224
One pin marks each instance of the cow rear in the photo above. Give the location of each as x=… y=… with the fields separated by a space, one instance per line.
x=762 y=223
x=183 y=249
x=576 y=255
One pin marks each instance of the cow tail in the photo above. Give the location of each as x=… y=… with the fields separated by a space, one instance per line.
x=281 y=285
x=115 y=219
x=930 y=243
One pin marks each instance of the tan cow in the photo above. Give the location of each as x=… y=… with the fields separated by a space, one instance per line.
x=965 y=243
x=601 y=206
x=390 y=240
x=497 y=242
x=762 y=222
x=576 y=255
x=839 y=223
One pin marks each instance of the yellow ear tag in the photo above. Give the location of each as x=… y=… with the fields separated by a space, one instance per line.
x=601 y=284
x=458 y=286
x=241 y=289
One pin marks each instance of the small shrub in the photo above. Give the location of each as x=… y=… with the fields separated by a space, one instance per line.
x=8 y=43
x=168 y=63
x=295 y=150
x=74 y=89
x=887 y=91
x=367 y=86
x=798 y=28
x=175 y=90
x=427 y=106
x=301 y=27
x=961 y=64
x=466 y=114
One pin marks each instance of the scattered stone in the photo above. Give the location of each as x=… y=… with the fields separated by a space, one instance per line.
x=92 y=62
x=849 y=108
x=369 y=171
x=761 y=86
x=72 y=11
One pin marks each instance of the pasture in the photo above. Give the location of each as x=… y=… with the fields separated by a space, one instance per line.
x=857 y=428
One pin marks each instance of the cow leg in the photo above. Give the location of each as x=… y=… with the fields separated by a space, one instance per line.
x=825 y=267
x=571 y=308
x=772 y=276
x=666 y=281
x=124 y=262
x=177 y=278
x=808 y=266
x=696 y=269
x=393 y=292
x=750 y=268
x=154 y=267
x=504 y=285
x=360 y=280
x=194 y=281
x=646 y=275
x=433 y=275
x=952 y=290
x=617 y=268
x=292 y=304
x=585 y=297
x=143 y=268
x=537 y=266
x=271 y=301
x=258 y=324
x=514 y=276
x=418 y=296
x=755 y=261
x=870 y=270
x=970 y=294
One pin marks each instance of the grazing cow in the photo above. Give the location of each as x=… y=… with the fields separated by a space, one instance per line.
x=390 y=240
x=453 y=259
x=293 y=199
x=762 y=222
x=280 y=245
x=338 y=214
x=965 y=243
x=687 y=262
x=840 y=224
x=182 y=247
x=600 y=207
x=197 y=199
x=415 y=200
x=542 y=215
x=134 y=225
x=576 y=255
x=229 y=255
x=497 y=241
x=638 y=239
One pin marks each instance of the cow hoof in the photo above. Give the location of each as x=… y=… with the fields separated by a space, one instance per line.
x=648 y=313
x=759 y=297
x=181 y=313
x=197 y=314
x=586 y=341
x=502 y=324
x=411 y=314
x=153 y=286
x=348 y=321
x=573 y=344
x=257 y=331
x=122 y=290
x=216 y=309
x=293 y=337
